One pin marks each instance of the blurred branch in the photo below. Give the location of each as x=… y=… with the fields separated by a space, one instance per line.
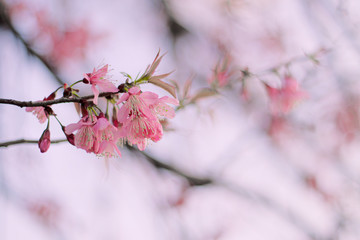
x=201 y=181
x=5 y=20
x=51 y=102
x=20 y=141
x=193 y=181
x=250 y=195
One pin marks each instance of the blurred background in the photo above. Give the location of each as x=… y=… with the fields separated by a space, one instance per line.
x=265 y=143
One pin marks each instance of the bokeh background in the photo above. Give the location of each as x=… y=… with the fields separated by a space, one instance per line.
x=229 y=166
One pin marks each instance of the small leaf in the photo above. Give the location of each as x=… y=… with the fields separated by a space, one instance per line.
x=203 y=93
x=126 y=75
x=187 y=87
x=167 y=87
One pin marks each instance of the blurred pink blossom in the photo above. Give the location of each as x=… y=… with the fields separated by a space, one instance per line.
x=283 y=99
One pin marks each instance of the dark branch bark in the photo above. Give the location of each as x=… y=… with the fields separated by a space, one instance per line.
x=20 y=141
x=51 y=102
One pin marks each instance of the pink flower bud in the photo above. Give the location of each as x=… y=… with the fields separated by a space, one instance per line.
x=44 y=141
x=69 y=137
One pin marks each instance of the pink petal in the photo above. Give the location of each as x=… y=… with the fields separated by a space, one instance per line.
x=29 y=109
x=170 y=100
x=123 y=114
x=134 y=90
x=101 y=124
x=72 y=127
x=96 y=94
x=165 y=110
x=107 y=86
x=149 y=98
x=142 y=145
x=123 y=98
x=97 y=74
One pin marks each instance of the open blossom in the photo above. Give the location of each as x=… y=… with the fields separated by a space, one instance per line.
x=283 y=99
x=85 y=137
x=100 y=79
x=107 y=135
x=95 y=134
x=138 y=116
x=39 y=112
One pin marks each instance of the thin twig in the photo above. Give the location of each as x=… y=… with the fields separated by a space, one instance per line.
x=250 y=195
x=20 y=141
x=52 y=102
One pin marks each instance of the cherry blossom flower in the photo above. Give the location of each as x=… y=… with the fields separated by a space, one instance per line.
x=107 y=135
x=138 y=116
x=95 y=134
x=39 y=112
x=99 y=78
x=283 y=99
x=85 y=137
x=159 y=105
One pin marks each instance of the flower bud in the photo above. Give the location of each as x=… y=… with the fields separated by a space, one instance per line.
x=44 y=141
x=69 y=137
x=51 y=96
x=86 y=81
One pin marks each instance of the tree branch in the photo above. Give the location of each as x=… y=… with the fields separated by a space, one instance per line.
x=20 y=141
x=193 y=181
x=250 y=195
x=52 y=102
x=5 y=19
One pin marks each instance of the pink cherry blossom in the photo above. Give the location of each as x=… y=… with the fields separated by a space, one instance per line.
x=95 y=134
x=39 y=112
x=138 y=116
x=100 y=79
x=160 y=105
x=107 y=135
x=85 y=137
x=283 y=99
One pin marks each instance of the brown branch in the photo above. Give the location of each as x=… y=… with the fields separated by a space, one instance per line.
x=5 y=19
x=247 y=194
x=20 y=141
x=51 y=102
x=193 y=181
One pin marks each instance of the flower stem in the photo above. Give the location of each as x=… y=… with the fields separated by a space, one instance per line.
x=76 y=83
x=58 y=121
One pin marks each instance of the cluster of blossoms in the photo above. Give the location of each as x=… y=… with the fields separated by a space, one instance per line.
x=136 y=116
